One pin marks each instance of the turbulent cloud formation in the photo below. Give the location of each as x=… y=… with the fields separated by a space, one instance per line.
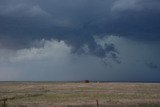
x=76 y=22
x=54 y=61
x=29 y=27
x=24 y=22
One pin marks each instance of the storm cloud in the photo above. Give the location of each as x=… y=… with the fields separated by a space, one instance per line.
x=55 y=62
x=29 y=26
x=77 y=22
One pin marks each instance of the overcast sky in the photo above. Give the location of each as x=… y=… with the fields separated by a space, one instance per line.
x=70 y=40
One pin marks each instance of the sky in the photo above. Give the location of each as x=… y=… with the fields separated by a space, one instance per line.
x=75 y=40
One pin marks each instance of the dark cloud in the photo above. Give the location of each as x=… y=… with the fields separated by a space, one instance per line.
x=137 y=19
x=151 y=65
x=76 y=22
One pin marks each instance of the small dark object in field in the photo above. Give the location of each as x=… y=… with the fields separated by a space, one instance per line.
x=86 y=81
x=97 y=103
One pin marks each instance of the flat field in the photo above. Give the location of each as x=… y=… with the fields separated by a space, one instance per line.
x=63 y=94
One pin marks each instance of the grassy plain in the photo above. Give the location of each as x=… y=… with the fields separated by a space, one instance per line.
x=63 y=94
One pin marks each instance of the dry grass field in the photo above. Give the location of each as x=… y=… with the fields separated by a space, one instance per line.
x=59 y=94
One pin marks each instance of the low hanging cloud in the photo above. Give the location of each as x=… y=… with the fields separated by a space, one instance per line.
x=47 y=33
x=52 y=49
x=76 y=22
x=54 y=61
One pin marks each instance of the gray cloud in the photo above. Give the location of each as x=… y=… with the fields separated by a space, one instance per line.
x=54 y=61
x=41 y=38
x=77 y=22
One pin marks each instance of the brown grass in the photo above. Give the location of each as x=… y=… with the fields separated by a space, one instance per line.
x=51 y=94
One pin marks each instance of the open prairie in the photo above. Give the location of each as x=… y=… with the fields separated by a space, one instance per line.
x=65 y=94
